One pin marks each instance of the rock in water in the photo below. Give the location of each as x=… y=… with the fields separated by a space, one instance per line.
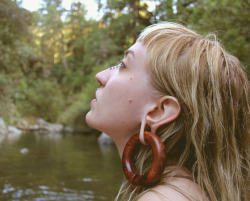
x=13 y=130
x=50 y=128
x=24 y=151
x=105 y=139
x=3 y=128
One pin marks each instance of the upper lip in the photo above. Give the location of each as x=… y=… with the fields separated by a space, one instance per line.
x=96 y=94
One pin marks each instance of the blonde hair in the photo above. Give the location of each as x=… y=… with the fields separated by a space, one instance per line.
x=212 y=131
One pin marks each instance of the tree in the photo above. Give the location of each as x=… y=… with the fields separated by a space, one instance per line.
x=125 y=20
x=230 y=20
x=51 y=30
x=14 y=47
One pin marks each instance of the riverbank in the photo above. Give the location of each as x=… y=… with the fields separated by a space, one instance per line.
x=41 y=126
x=37 y=125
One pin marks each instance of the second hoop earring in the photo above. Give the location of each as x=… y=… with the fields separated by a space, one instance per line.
x=158 y=165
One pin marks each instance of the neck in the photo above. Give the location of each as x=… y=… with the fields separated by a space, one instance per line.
x=120 y=151
x=120 y=144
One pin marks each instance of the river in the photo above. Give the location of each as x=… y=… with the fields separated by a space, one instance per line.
x=46 y=167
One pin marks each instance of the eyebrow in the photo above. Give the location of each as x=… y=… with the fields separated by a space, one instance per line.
x=129 y=51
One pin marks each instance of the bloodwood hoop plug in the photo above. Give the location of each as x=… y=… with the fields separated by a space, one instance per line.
x=158 y=165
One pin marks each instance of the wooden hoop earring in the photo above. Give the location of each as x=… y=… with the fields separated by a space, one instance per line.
x=158 y=165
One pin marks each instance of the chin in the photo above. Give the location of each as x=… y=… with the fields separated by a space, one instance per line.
x=88 y=119
x=92 y=122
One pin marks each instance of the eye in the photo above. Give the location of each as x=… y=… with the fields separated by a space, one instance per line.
x=122 y=64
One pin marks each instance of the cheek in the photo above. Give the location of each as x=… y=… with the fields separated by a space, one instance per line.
x=120 y=104
x=124 y=97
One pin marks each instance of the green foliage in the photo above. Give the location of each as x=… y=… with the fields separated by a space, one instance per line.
x=14 y=22
x=8 y=109
x=40 y=98
x=125 y=20
x=230 y=20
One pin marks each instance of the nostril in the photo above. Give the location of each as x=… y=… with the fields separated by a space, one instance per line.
x=99 y=82
x=97 y=77
x=100 y=78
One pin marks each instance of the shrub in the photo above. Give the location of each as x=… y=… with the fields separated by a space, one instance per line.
x=41 y=98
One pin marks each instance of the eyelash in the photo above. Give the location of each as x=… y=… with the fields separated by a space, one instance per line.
x=122 y=64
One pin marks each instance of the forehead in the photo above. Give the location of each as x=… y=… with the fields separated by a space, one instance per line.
x=136 y=60
x=136 y=52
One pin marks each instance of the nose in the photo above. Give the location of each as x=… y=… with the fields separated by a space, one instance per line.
x=102 y=77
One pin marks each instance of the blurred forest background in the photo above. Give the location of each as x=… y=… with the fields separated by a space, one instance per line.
x=49 y=57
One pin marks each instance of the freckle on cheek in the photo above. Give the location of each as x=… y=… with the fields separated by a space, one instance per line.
x=130 y=100
x=131 y=78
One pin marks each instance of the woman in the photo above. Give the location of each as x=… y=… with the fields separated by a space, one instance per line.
x=193 y=95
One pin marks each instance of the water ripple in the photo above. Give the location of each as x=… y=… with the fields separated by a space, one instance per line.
x=46 y=193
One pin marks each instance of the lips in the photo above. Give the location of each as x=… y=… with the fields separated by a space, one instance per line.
x=94 y=100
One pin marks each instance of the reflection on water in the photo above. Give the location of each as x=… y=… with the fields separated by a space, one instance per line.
x=41 y=167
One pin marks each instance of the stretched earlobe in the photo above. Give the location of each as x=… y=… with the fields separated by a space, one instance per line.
x=166 y=111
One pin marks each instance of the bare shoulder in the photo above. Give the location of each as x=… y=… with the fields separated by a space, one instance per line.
x=157 y=195
x=175 y=189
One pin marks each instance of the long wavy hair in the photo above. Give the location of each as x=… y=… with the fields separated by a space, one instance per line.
x=211 y=135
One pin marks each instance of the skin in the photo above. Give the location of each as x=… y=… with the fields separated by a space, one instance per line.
x=165 y=192
x=122 y=98
x=125 y=102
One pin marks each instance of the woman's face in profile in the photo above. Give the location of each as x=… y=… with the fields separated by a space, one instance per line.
x=123 y=94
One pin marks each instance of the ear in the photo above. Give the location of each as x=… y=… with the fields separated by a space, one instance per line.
x=167 y=110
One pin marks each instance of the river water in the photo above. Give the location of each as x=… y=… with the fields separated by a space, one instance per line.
x=46 y=167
